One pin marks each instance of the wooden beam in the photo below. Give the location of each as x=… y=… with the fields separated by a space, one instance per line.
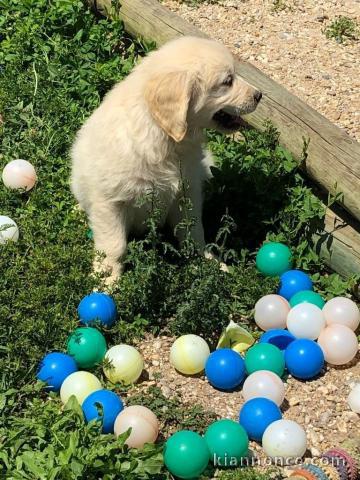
x=339 y=245
x=333 y=157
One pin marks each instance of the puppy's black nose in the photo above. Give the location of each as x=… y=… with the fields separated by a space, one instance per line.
x=257 y=96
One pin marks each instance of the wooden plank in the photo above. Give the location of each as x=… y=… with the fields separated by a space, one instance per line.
x=333 y=157
x=339 y=245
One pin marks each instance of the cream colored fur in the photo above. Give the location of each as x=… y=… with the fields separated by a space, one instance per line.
x=147 y=134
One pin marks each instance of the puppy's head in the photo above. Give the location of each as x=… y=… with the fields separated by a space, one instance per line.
x=191 y=84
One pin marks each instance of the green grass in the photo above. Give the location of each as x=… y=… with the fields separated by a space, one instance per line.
x=56 y=63
x=342 y=28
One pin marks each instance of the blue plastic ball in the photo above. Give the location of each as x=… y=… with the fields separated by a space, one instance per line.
x=97 y=307
x=304 y=359
x=225 y=369
x=292 y=282
x=278 y=337
x=103 y=405
x=54 y=368
x=257 y=414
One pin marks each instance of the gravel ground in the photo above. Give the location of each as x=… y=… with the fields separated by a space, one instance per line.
x=319 y=406
x=290 y=47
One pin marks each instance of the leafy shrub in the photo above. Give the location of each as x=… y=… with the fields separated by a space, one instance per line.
x=46 y=442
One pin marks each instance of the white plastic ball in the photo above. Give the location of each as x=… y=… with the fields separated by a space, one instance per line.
x=126 y=364
x=271 y=312
x=80 y=384
x=143 y=423
x=284 y=439
x=339 y=344
x=342 y=310
x=306 y=320
x=19 y=175
x=9 y=231
x=354 y=399
x=264 y=384
x=189 y=353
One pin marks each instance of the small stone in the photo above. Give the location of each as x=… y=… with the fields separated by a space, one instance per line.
x=321 y=18
x=342 y=427
x=293 y=401
x=350 y=417
x=166 y=391
x=324 y=418
x=285 y=36
x=315 y=452
x=156 y=363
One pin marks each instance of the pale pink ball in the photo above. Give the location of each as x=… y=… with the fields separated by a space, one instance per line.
x=143 y=423
x=342 y=310
x=271 y=312
x=339 y=344
x=19 y=175
x=265 y=384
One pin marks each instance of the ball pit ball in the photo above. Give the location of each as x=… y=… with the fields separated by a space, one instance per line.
x=19 y=175
x=280 y=338
x=105 y=406
x=284 y=439
x=354 y=399
x=225 y=369
x=264 y=384
x=186 y=454
x=273 y=259
x=342 y=310
x=189 y=353
x=97 y=307
x=54 y=368
x=126 y=364
x=304 y=359
x=227 y=442
x=87 y=346
x=271 y=312
x=306 y=320
x=307 y=296
x=265 y=356
x=80 y=384
x=256 y=415
x=9 y=231
x=143 y=423
x=292 y=282
x=339 y=344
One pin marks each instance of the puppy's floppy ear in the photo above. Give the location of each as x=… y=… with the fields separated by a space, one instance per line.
x=168 y=96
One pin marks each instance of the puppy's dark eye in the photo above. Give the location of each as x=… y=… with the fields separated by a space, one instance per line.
x=228 y=81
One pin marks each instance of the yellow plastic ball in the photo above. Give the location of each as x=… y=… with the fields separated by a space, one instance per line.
x=143 y=423
x=126 y=364
x=189 y=353
x=80 y=384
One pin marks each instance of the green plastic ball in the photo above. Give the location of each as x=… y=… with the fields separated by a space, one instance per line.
x=186 y=454
x=87 y=346
x=265 y=356
x=273 y=259
x=307 y=296
x=228 y=443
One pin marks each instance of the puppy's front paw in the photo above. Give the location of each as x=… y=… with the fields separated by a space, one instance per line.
x=112 y=271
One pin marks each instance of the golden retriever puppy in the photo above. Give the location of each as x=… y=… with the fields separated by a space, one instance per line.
x=147 y=135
